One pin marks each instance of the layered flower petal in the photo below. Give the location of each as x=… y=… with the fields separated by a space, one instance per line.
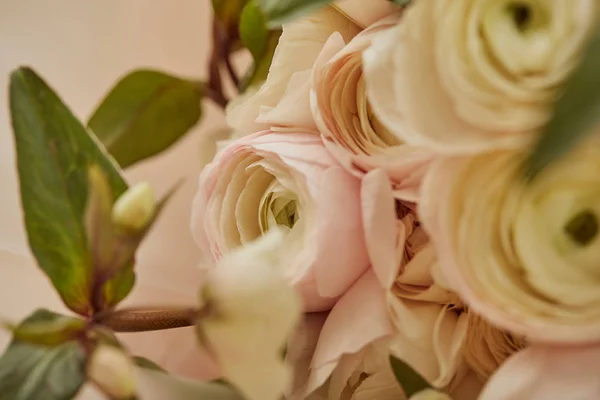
x=523 y=255
x=300 y=44
x=365 y=12
x=487 y=347
x=541 y=373
x=462 y=76
x=288 y=181
x=358 y=319
x=429 y=327
x=346 y=120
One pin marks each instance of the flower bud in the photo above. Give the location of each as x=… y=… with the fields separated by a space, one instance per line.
x=430 y=394
x=135 y=208
x=112 y=372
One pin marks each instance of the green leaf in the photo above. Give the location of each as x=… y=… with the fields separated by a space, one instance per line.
x=280 y=11
x=38 y=372
x=253 y=29
x=576 y=113
x=54 y=152
x=401 y=3
x=145 y=113
x=408 y=378
x=145 y=363
x=260 y=41
x=50 y=332
x=170 y=387
x=98 y=224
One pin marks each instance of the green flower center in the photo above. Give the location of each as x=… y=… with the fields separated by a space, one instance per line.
x=279 y=208
x=521 y=14
x=583 y=227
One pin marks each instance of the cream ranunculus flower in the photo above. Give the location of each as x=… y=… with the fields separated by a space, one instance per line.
x=286 y=181
x=300 y=44
x=250 y=311
x=365 y=12
x=462 y=76
x=487 y=347
x=344 y=116
x=523 y=255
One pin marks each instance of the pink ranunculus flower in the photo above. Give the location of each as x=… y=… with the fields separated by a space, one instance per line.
x=464 y=76
x=346 y=119
x=430 y=327
x=523 y=255
x=365 y=12
x=544 y=373
x=381 y=315
x=289 y=181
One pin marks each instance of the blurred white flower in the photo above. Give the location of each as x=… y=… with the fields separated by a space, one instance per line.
x=250 y=312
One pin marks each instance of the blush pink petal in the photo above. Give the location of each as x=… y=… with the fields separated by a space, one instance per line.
x=544 y=373
x=379 y=219
x=359 y=318
x=332 y=252
x=337 y=219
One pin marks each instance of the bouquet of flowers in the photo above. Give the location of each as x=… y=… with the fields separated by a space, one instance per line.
x=407 y=206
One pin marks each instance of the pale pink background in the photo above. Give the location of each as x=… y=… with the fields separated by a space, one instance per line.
x=81 y=48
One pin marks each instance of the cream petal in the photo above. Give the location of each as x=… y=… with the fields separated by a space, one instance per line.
x=493 y=274
x=365 y=12
x=293 y=110
x=359 y=318
x=379 y=216
x=490 y=83
x=340 y=239
x=424 y=327
x=541 y=373
x=298 y=48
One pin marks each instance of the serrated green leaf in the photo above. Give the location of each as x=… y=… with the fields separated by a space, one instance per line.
x=576 y=113
x=280 y=11
x=54 y=152
x=145 y=113
x=410 y=381
x=39 y=372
